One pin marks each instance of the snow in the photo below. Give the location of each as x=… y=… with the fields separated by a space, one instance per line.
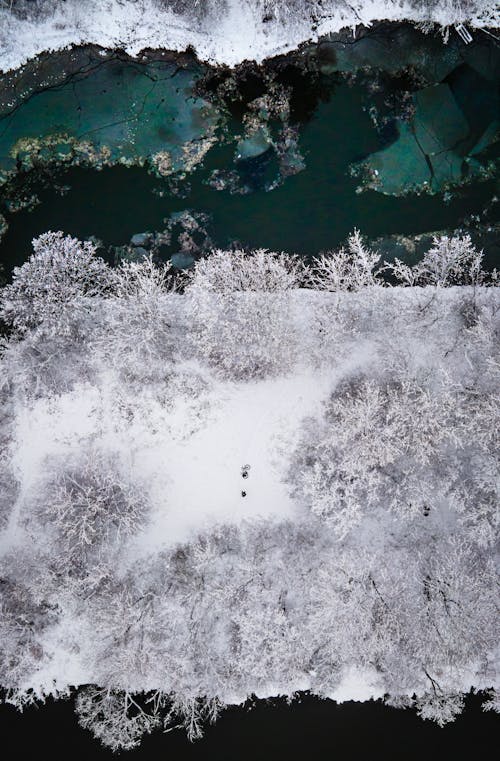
x=67 y=666
x=222 y=36
x=46 y=429
x=357 y=684
x=189 y=456
x=247 y=423
x=166 y=407
x=200 y=471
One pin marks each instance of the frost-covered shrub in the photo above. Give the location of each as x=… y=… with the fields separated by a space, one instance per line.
x=233 y=271
x=241 y=329
x=144 y=280
x=138 y=331
x=90 y=503
x=348 y=269
x=60 y=271
x=450 y=261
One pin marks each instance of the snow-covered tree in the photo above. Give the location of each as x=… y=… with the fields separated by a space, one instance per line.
x=60 y=272
x=493 y=702
x=241 y=306
x=137 y=331
x=27 y=612
x=115 y=568
x=405 y=445
x=449 y=261
x=234 y=271
x=90 y=503
x=440 y=707
x=114 y=717
x=348 y=269
x=9 y=486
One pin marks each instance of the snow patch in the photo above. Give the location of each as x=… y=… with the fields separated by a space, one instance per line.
x=357 y=684
x=224 y=34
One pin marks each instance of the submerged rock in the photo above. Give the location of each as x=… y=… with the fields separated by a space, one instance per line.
x=3 y=226
x=117 y=111
x=254 y=145
x=140 y=252
x=140 y=239
x=451 y=122
x=478 y=99
x=182 y=260
x=411 y=248
x=129 y=254
x=394 y=48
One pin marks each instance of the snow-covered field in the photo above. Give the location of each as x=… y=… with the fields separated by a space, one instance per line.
x=192 y=459
x=360 y=560
x=221 y=31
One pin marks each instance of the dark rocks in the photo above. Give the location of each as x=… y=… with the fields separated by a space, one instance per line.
x=182 y=260
x=140 y=239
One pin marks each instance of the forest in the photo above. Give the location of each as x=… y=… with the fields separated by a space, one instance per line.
x=166 y=552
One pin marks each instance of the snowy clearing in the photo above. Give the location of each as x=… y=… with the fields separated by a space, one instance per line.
x=360 y=419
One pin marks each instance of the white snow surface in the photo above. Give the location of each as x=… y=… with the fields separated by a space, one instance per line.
x=188 y=455
x=202 y=472
x=366 y=420
x=225 y=33
x=192 y=466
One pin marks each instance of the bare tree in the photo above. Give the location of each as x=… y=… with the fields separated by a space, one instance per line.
x=114 y=717
x=348 y=269
x=90 y=503
x=241 y=305
x=61 y=271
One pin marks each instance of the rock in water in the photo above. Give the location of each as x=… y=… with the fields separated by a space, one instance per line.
x=140 y=239
x=254 y=145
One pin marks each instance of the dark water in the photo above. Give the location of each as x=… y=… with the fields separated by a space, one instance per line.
x=310 y=211
x=310 y=730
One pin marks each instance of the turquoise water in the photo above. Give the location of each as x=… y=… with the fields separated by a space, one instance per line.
x=269 y=157
x=310 y=211
x=112 y=109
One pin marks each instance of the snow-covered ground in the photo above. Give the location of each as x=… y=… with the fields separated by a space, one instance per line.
x=226 y=32
x=360 y=562
x=192 y=460
x=247 y=425
x=190 y=455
